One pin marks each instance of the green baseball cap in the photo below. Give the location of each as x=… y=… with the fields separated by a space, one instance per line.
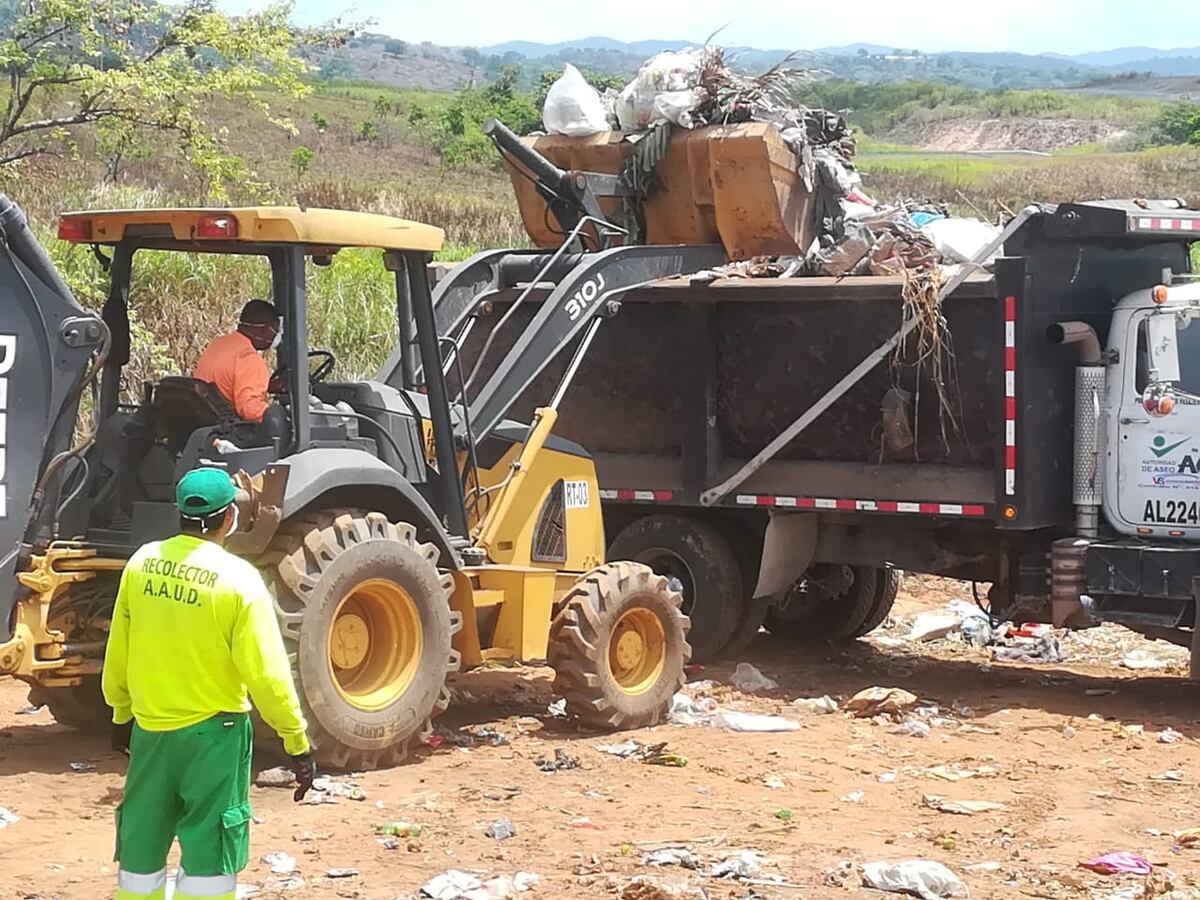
x=204 y=492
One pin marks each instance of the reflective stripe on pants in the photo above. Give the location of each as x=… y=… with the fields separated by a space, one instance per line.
x=208 y=887
x=134 y=886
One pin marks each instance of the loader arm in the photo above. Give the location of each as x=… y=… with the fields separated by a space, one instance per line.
x=596 y=280
x=46 y=343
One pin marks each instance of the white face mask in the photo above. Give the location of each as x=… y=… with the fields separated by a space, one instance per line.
x=234 y=524
x=277 y=340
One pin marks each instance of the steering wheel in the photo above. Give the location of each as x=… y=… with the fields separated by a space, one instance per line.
x=279 y=378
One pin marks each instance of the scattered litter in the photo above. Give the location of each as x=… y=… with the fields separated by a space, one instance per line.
x=341 y=873
x=1169 y=736
x=853 y=797
x=747 y=679
x=501 y=829
x=783 y=815
x=733 y=720
x=457 y=885
x=399 y=829
x=272 y=885
x=388 y=843
x=961 y=807
x=745 y=865
x=1045 y=649
x=1122 y=863
x=8 y=817
x=278 y=777
x=1125 y=732
x=912 y=728
x=932 y=626
x=334 y=787
x=945 y=773
x=820 y=706
x=281 y=863
x=886 y=777
x=451 y=885
x=624 y=750
x=562 y=761
x=29 y=710
x=1174 y=775
x=1140 y=660
x=774 y=782
x=1069 y=732
x=557 y=709
x=672 y=856
x=83 y=766
x=583 y=822
x=876 y=701
x=925 y=878
x=960 y=240
x=1189 y=837
x=988 y=866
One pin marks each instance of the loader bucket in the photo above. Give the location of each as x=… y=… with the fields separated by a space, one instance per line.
x=46 y=341
x=736 y=185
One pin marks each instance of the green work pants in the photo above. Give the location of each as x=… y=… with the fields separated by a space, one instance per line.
x=193 y=783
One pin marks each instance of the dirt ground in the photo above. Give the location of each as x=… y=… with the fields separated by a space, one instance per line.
x=1049 y=742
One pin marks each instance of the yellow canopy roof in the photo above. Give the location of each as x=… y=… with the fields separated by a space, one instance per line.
x=318 y=228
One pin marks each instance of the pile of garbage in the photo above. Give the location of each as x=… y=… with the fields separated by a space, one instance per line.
x=856 y=235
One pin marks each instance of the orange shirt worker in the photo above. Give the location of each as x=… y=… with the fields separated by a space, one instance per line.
x=234 y=362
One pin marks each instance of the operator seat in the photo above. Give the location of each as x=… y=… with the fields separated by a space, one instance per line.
x=181 y=405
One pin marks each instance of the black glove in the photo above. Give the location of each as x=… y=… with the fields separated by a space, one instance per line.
x=121 y=735
x=304 y=767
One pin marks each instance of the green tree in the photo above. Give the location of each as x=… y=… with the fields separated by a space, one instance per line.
x=302 y=159
x=133 y=67
x=1177 y=124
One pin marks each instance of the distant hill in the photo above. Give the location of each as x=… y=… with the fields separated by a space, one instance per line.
x=1133 y=57
x=533 y=50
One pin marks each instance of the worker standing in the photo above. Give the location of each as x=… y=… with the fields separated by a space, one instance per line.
x=193 y=630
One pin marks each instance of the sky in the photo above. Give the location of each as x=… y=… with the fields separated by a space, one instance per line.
x=1025 y=26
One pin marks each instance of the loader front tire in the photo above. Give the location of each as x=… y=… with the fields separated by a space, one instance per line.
x=81 y=707
x=703 y=561
x=365 y=614
x=618 y=647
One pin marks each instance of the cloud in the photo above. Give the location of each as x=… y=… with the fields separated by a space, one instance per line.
x=1029 y=26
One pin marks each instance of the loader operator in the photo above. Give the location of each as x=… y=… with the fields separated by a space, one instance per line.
x=193 y=630
x=234 y=363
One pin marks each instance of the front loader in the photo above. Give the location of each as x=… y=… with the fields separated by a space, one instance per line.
x=407 y=532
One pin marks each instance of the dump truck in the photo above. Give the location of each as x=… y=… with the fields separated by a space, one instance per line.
x=399 y=543
x=785 y=446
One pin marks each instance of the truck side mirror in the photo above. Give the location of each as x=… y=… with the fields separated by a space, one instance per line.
x=1163 y=346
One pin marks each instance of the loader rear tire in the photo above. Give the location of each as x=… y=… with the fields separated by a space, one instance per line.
x=365 y=614
x=618 y=647
x=81 y=707
x=703 y=561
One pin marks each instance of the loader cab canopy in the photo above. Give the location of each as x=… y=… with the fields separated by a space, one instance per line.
x=178 y=417
x=248 y=230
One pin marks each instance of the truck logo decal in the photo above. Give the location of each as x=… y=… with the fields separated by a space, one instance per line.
x=8 y=349
x=1160 y=451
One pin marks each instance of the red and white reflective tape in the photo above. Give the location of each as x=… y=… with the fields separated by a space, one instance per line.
x=1142 y=223
x=638 y=496
x=1010 y=395
x=876 y=506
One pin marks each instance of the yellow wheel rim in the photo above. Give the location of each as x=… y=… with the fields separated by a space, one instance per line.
x=374 y=645
x=637 y=651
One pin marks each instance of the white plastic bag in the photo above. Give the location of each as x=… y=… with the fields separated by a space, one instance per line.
x=748 y=679
x=927 y=879
x=665 y=90
x=573 y=107
x=961 y=240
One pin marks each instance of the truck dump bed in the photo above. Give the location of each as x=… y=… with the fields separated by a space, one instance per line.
x=735 y=185
x=750 y=355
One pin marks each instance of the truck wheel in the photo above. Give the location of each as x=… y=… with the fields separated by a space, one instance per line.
x=366 y=616
x=81 y=707
x=887 y=585
x=704 y=563
x=828 y=604
x=618 y=647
